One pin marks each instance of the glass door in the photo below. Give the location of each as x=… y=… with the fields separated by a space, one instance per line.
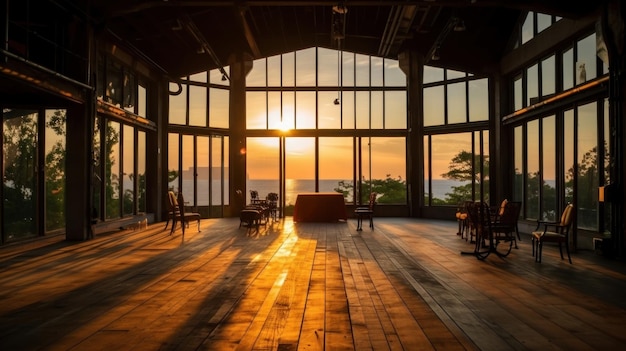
x=19 y=168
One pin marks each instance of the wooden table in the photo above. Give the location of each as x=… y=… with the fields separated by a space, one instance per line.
x=320 y=207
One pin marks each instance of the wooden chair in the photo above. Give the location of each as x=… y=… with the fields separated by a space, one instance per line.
x=559 y=234
x=366 y=212
x=249 y=215
x=463 y=220
x=504 y=228
x=177 y=208
x=272 y=201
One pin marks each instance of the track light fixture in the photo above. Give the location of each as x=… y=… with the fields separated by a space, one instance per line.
x=436 y=54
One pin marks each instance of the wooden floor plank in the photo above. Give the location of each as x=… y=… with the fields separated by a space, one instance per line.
x=304 y=286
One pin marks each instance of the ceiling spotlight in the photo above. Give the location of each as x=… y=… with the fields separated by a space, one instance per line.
x=459 y=26
x=336 y=102
x=436 y=54
x=200 y=50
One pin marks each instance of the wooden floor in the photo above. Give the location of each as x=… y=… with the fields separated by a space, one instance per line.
x=304 y=286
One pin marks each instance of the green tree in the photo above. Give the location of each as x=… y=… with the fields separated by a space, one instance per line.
x=390 y=190
x=465 y=167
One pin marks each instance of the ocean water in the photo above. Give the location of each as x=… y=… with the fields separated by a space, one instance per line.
x=292 y=188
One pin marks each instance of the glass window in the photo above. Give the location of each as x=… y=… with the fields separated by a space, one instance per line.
x=274 y=110
x=478 y=99
x=347 y=110
x=548 y=196
x=329 y=114
x=299 y=167
x=333 y=152
x=518 y=161
x=202 y=170
x=128 y=171
x=55 y=169
x=452 y=168
x=347 y=69
x=362 y=110
x=173 y=172
x=528 y=28
x=256 y=110
x=548 y=76
x=587 y=167
x=586 y=62
x=289 y=111
x=376 y=106
x=432 y=74
x=187 y=169
x=532 y=85
x=141 y=171
x=568 y=69
x=305 y=109
x=452 y=74
x=457 y=103
x=376 y=64
x=388 y=170
x=262 y=166
x=532 y=170
x=219 y=108
x=568 y=155
x=216 y=177
x=518 y=93
x=288 y=69
x=178 y=104
x=395 y=110
x=543 y=22
x=112 y=170
x=394 y=77
x=197 y=105
x=433 y=106
x=273 y=71
x=142 y=101
x=305 y=67
x=327 y=69
x=256 y=77
x=362 y=70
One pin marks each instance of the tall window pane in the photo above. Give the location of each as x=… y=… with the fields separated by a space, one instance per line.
x=532 y=170
x=262 y=166
x=518 y=161
x=395 y=110
x=478 y=99
x=305 y=109
x=568 y=69
x=187 y=170
x=457 y=111
x=299 y=167
x=333 y=152
x=55 y=169
x=587 y=58
x=452 y=168
x=128 y=172
x=256 y=110
x=173 y=172
x=112 y=170
x=178 y=104
x=433 y=106
x=548 y=76
x=388 y=164
x=549 y=198
x=219 y=108
x=305 y=67
x=587 y=193
x=376 y=106
x=141 y=171
x=532 y=85
x=328 y=114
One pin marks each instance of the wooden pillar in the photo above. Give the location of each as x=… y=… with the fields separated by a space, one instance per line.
x=613 y=22
x=237 y=122
x=412 y=64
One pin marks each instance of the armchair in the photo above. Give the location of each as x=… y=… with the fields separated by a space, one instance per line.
x=559 y=233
